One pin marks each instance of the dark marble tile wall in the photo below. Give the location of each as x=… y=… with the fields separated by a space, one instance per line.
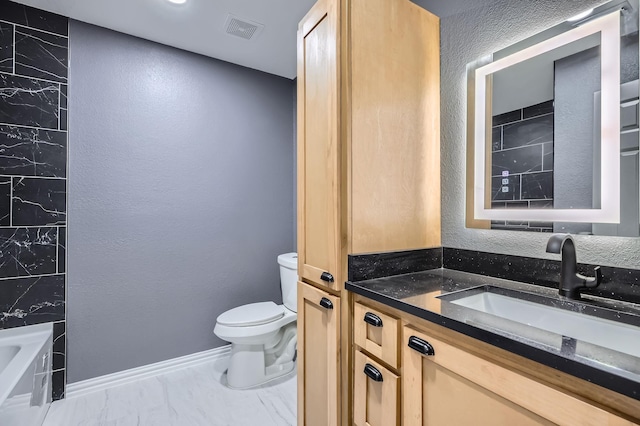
x=369 y=266
x=617 y=283
x=34 y=57
x=522 y=164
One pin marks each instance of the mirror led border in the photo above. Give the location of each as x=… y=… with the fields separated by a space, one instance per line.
x=609 y=27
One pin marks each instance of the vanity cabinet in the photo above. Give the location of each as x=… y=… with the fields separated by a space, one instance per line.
x=376 y=389
x=318 y=356
x=368 y=123
x=440 y=378
x=447 y=378
x=376 y=393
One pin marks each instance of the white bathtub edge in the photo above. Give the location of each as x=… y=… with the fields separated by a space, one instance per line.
x=95 y=384
x=31 y=340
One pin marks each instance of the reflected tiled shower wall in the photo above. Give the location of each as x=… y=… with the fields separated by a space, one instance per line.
x=33 y=173
x=522 y=164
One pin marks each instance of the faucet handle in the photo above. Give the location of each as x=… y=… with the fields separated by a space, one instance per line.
x=593 y=282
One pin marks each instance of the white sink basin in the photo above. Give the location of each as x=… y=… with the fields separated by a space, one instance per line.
x=602 y=332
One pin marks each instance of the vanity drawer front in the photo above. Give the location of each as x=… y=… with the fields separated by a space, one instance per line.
x=376 y=333
x=376 y=394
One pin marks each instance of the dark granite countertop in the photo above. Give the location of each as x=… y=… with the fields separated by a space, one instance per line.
x=418 y=294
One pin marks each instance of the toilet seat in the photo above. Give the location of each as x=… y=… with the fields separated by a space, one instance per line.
x=251 y=315
x=235 y=333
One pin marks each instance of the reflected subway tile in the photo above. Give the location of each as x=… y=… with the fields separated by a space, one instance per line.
x=528 y=132
x=519 y=160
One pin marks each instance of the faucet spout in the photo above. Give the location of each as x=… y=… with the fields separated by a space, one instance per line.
x=571 y=283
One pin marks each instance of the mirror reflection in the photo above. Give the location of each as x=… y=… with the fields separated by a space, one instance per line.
x=543 y=132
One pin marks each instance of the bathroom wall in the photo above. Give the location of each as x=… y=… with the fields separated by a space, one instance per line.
x=33 y=173
x=181 y=171
x=295 y=164
x=466 y=37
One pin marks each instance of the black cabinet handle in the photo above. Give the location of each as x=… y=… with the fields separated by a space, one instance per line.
x=373 y=319
x=421 y=345
x=326 y=303
x=372 y=372
x=326 y=277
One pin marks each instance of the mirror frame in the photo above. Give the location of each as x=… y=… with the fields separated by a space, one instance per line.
x=480 y=99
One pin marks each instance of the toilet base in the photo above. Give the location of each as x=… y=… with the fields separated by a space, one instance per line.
x=255 y=365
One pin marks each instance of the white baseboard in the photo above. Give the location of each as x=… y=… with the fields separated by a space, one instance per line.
x=151 y=370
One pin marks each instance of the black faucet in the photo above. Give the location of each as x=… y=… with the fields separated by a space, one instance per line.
x=571 y=283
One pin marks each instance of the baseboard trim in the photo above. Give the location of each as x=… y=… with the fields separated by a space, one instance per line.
x=151 y=370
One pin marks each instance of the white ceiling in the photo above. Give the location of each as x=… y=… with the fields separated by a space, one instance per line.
x=444 y=8
x=197 y=26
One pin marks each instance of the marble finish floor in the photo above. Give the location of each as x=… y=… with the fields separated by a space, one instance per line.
x=193 y=396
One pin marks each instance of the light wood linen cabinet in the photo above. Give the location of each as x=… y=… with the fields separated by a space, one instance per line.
x=368 y=120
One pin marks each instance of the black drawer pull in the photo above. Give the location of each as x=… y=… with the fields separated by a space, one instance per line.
x=422 y=346
x=373 y=319
x=326 y=277
x=372 y=372
x=326 y=303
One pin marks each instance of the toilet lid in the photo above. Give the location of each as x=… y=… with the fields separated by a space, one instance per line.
x=252 y=314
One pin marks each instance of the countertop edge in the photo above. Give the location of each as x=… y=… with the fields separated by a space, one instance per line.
x=585 y=372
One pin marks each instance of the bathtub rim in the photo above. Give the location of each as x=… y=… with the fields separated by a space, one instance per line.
x=31 y=339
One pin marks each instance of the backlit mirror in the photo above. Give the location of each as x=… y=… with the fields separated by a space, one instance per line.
x=553 y=129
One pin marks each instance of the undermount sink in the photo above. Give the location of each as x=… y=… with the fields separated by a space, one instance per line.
x=553 y=315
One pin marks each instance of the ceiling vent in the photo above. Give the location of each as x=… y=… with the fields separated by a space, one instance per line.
x=242 y=28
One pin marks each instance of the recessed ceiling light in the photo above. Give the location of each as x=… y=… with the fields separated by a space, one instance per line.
x=580 y=16
x=177 y=1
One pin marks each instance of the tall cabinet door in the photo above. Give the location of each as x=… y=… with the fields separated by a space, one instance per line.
x=318 y=162
x=318 y=357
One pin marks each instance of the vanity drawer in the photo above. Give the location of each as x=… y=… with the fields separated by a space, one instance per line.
x=376 y=394
x=376 y=333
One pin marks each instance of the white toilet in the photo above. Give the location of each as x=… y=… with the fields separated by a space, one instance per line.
x=263 y=335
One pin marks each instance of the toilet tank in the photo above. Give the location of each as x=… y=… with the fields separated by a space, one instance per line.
x=289 y=279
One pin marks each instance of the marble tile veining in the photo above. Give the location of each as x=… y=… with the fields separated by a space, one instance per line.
x=62 y=248
x=59 y=344
x=34 y=64
x=39 y=202
x=5 y=201
x=28 y=251
x=41 y=55
x=32 y=152
x=34 y=18
x=29 y=102
x=6 y=47
x=33 y=300
x=194 y=396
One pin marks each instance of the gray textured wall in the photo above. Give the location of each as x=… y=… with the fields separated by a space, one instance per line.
x=180 y=198
x=466 y=37
x=295 y=163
